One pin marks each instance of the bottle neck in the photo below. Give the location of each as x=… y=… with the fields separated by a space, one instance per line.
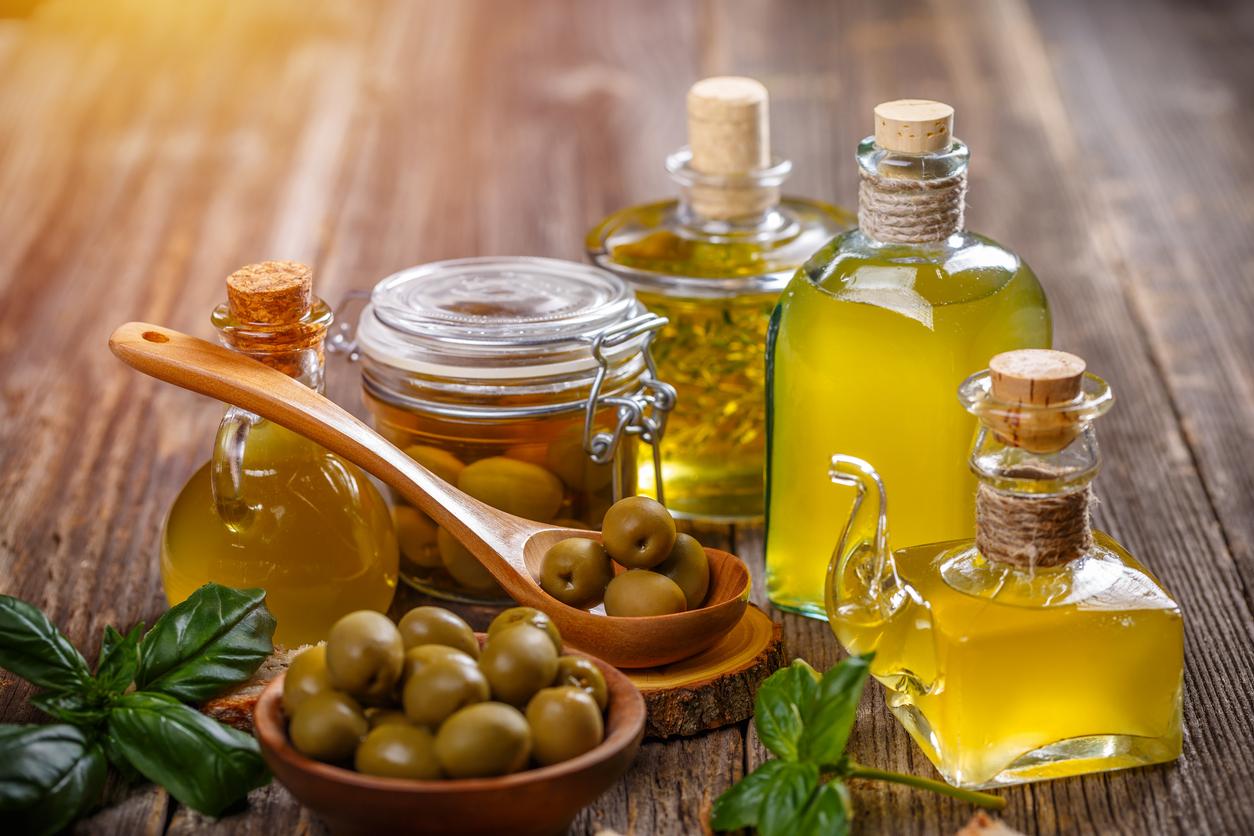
x=295 y=348
x=741 y=204
x=911 y=198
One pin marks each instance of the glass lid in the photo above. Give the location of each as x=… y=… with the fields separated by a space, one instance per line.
x=494 y=317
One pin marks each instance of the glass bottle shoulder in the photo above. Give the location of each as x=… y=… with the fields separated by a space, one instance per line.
x=966 y=267
x=955 y=576
x=653 y=239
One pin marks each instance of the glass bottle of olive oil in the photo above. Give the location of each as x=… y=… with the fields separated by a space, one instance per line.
x=869 y=341
x=272 y=509
x=713 y=263
x=1041 y=648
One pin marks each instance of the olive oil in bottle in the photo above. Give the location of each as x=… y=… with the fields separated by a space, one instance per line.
x=1040 y=648
x=871 y=338
x=272 y=509
x=713 y=263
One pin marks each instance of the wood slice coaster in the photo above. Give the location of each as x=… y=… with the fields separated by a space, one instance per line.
x=717 y=686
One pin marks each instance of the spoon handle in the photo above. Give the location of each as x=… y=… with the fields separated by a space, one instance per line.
x=190 y=363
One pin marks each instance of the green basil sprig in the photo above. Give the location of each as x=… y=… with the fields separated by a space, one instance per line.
x=131 y=712
x=805 y=721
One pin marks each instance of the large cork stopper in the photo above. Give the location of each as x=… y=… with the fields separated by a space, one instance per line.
x=270 y=293
x=1035 y=379
x=914 y=126
x=729 y=135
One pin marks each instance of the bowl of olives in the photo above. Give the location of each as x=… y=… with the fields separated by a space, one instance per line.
x=427 y=727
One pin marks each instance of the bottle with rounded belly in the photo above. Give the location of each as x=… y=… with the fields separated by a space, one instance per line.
x=714 y=263
x=1039 y=649
x=870 y=339
x=272 y=509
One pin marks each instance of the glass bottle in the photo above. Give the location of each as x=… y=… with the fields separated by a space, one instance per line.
x=713 y=262
x=1041 y=648
x=869 y=341
x=526 y=382
x=272 y=509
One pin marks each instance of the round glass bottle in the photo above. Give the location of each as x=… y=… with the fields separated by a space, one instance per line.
x=871 y=338
x=526 y=382
x=713 y=262
x=272 y=509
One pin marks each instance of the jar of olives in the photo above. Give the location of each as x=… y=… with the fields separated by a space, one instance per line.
x=526 y=382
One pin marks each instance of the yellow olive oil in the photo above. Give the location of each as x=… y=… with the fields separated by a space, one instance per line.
x=317 y=536
x=867 y=351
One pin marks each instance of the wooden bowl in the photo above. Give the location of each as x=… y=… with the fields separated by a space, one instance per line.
x=531 y=803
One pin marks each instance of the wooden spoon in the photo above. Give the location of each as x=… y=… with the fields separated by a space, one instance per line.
x=508 y=546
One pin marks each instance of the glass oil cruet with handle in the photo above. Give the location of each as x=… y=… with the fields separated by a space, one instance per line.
x=1041 y=648
x=271 y=509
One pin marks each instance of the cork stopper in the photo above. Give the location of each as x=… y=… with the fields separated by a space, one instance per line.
x=270 y=293
x=914 y=126
x=729 y=135
x=1036 y=379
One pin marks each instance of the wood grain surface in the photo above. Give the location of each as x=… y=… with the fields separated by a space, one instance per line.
x=147 y=149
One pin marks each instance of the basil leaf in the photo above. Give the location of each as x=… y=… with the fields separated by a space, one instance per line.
x=118 y=760
x=204 y=764
x=790 y=791
x=69 y=707
x=832 y=714
x=780 y=706
x=218 y=637
x=119 y=660
x=34 y=649
x=49 y=776
x=827 y=814
x=740 y=806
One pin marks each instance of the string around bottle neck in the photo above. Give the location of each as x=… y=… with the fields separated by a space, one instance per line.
x=899 y=210
x=1032 y=532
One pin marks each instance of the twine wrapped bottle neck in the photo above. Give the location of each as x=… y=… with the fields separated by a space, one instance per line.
x=900 y=210
x=1031 y=532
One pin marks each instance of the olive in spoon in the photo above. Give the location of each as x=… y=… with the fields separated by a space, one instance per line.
x=509 y=547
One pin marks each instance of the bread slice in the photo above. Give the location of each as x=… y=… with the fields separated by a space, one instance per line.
x=982 y=824
x=235 y=705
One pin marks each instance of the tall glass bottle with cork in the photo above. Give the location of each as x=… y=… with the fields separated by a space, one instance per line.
x=272 y=509
x=714 y=262
x=869 y=341
x=1041 y=648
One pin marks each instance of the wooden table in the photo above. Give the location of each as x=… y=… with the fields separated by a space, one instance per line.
x=148 y=148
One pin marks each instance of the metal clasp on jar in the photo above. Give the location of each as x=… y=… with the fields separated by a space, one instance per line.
x=642 y=413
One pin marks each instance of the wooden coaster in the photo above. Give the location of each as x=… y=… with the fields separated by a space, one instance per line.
x=716 y=687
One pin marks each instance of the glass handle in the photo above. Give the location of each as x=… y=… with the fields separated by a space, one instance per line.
x=861 y=576
x=226 y=469
x=642 y=413
x=343 y=336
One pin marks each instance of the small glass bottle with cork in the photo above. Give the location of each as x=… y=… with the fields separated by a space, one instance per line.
x=870 y=340
x=1041 y=648
x=713 y=262
x=272 y=509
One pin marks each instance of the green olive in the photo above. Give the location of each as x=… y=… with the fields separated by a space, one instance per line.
x=567 y=458
x=415 y=534
x=518 y=661
x=576 y=571
x=516 y=487
x=328 y=726
x=376 y=717
x=398 y=751
x=365 y=655
x=688 y=566
x=306 y=676
x=526 y=615
x=417 y=658
x=580 y=673
x=440 y=462
x=565 y=722
x=638 y=532
x=441 y=688
x=483 y=740
x=641 y=592
x=436 y=625
x=464 y=566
